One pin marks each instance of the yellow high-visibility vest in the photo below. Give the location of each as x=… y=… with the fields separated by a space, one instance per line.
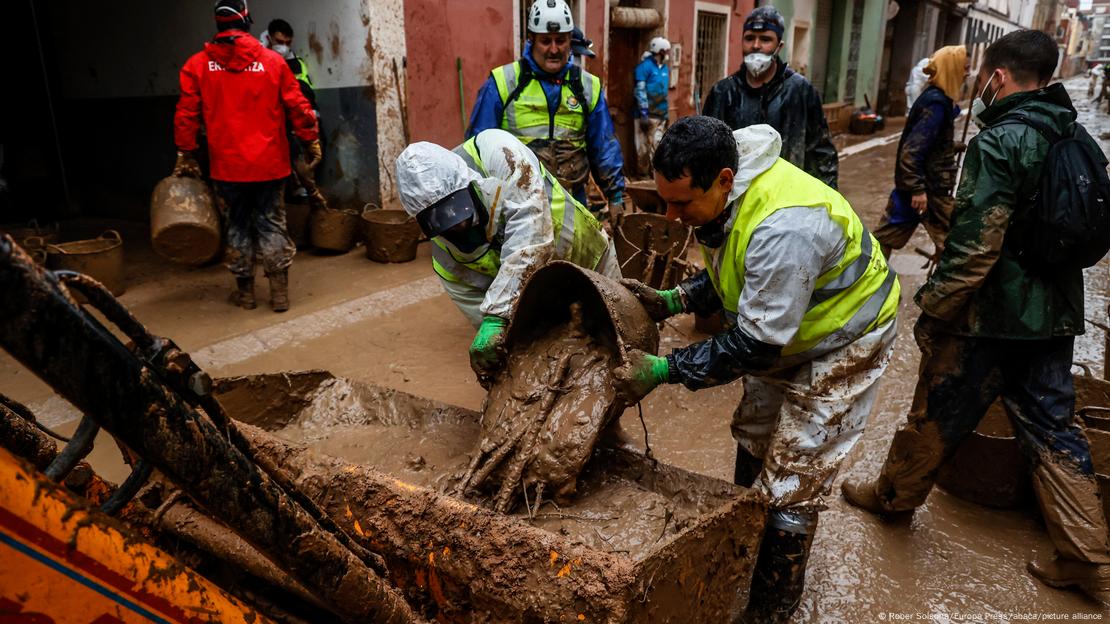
x=854 y=297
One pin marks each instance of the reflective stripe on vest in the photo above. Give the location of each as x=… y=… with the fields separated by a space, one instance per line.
x=578 y=235
x=528 y=118
x=302 y=75
x=854 y=297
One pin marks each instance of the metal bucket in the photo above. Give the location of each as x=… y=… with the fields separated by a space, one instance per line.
x=645 y=195
x=184 y=223
x=1092 y=404
x=332 y=229
x=652 y=249
x=99 y=258
x=610 y=310
x=989 y=468
x=31 y=235
x=390 y=235
x=296 y=223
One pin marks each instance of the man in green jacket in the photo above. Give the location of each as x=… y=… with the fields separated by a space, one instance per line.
x=996 y=322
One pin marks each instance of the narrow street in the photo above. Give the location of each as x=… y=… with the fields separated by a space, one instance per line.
x=392 y=325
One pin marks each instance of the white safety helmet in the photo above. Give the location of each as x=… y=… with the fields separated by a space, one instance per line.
x=659 y=44
x=550 y=16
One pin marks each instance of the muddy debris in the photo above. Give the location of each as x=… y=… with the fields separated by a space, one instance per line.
x=543 y=416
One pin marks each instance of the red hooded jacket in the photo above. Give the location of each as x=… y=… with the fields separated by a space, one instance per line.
x=243 y=92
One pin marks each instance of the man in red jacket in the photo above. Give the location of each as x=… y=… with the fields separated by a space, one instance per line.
x=243 y=93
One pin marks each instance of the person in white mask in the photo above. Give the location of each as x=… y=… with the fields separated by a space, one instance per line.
x=765 y=90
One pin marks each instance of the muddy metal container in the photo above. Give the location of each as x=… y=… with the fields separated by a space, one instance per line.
x=296 y=223
x=390 y=235
x=642 y=541
x=184 y=223
x=652 y=249
x=1092 y=404
x=989 y=467
x=31 y=235
x=333 y=229
x=645 y=195
x=99 y=258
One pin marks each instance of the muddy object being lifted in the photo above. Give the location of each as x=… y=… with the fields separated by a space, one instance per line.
x=547 y=408
x=642 y=541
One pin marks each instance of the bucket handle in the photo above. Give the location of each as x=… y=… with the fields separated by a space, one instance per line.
x=370 y=207
x=111 y=235
x=1086 y=369
x=34 y=242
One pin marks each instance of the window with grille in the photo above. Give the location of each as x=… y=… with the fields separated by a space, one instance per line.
x=709 y=52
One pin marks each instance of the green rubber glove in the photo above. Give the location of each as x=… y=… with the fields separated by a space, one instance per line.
x=488 y=349
x=660 y=304
x=639 y=375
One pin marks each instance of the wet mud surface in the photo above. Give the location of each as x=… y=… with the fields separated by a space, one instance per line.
x=422 y=444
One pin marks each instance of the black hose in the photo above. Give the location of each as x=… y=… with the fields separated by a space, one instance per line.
x=129 y=488
x=76 y=450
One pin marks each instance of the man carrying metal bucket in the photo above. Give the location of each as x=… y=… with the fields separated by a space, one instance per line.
x=495 y=214
x=242 y=93
x=810 y=305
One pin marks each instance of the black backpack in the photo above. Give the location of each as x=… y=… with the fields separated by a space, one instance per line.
x=1069 y=215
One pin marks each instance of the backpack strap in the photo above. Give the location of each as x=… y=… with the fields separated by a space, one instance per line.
x=1044 y=129
x=574 y=81
x=524 y=77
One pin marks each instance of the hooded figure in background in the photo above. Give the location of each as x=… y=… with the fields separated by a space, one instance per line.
x=766 y=91
x=925 y=168
x=494 y=214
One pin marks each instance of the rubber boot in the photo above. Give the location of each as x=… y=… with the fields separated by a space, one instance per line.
x=865 y=495
x=279 y=290
x=748 y=467
x=780 y=570
x=244 y=293
x=1073 y=514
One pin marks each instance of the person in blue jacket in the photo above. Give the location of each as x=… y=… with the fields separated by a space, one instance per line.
x=653 y=81
x=554 y=107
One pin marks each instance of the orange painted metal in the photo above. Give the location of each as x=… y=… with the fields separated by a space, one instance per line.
x=63 y=561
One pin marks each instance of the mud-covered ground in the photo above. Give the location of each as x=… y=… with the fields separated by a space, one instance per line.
x=392 y=325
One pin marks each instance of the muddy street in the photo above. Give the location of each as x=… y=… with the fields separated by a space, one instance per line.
x=393 y=326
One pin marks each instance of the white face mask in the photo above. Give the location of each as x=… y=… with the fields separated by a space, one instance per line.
x=283 y=50
x=978 y=106
x=758 y=63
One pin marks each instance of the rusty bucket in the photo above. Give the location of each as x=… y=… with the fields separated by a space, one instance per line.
x=100 y=258
x=296 y=223
x=652 y=249
x=989 y=468
x=390 y=235
x=31 y=235
x=645 y=195
x=1092 y=405
x=184 y=224
x=333 y=229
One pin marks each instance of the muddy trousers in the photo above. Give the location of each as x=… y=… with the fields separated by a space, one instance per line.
x=793 y=430
x=648 y=135
x=958 y=380
x=893 y=233
x=255 y=213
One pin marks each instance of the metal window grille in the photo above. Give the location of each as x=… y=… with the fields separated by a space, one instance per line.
x=710 y=52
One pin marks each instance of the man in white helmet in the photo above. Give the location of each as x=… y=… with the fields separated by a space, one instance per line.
x=494 y=214
x=555 y=107
x=653 y=80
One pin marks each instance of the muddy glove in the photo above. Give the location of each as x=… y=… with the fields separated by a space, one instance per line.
x=312 y=153
x=488 y=349
x=186 y=165
x=639 y=375
x=660 y=304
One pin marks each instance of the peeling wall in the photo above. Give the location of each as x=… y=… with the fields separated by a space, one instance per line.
x=438 y=34
x=385 y=47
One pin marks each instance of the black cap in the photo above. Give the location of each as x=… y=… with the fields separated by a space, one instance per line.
x=580 y=45
x=456 y=208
